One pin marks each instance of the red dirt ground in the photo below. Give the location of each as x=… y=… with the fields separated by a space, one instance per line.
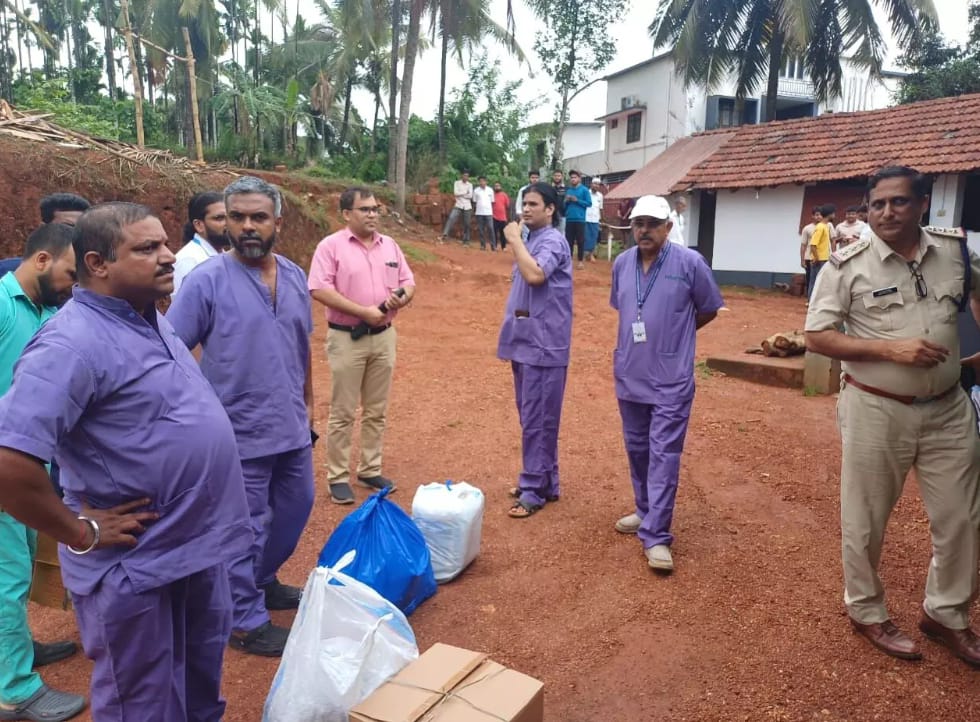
x=751 y=625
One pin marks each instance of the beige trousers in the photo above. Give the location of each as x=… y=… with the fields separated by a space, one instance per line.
x=881 y=440
x=360 y=375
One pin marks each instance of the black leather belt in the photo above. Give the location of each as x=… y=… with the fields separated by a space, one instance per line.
x=373 y=331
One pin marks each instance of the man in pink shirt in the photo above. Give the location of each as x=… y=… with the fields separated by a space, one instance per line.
x=362 y=278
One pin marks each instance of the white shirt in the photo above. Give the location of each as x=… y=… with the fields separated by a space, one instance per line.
x=464 y=195
x=194 y=252
x=865 y=233
x=593 y=214
x=850 y=232
x=677 y=232
x=484 y=200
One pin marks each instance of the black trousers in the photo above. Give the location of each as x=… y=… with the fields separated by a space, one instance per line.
x=498 y=228
x=575 y=233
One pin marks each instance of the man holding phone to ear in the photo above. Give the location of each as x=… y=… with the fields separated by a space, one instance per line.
x=354 y=272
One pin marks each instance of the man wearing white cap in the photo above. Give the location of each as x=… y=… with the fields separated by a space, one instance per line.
x=663 y=292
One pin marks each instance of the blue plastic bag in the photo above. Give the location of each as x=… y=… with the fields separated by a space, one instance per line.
x=392 y=557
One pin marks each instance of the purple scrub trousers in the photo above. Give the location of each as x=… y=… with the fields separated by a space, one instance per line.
x=157 y=654
x=539 y=391
x=279 y=490
x=654 y=436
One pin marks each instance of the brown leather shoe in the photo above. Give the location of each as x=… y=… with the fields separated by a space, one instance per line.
x=889 y=639
x=964 y=643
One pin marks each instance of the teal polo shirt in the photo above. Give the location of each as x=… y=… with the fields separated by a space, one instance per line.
x=20 y=319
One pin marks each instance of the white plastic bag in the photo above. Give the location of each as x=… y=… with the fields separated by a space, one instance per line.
x=346 y=641
x=450 y=517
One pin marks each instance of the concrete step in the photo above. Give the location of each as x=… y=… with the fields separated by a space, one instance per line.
x=769 y=370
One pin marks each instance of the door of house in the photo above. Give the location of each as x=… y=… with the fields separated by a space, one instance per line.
x=708 y=203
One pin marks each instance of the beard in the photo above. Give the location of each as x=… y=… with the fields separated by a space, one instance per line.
x=246 y=247
x=48 y=296
x=218 y=240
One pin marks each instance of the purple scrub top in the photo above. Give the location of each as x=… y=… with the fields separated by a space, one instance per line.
x=662 y=368
x=254 y=353
x=537 y=327
x=126 y=412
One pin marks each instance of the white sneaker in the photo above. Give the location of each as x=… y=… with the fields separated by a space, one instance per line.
x=629 y=524
x=658 y=557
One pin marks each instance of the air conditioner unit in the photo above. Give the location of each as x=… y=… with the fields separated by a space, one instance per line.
x=629 y=101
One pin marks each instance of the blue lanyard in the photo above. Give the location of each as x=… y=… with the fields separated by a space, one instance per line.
x=641 y=299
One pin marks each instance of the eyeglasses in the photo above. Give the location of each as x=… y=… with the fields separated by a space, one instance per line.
x=369 y=209
x=920 y=283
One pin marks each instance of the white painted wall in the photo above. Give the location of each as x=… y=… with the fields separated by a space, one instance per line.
x=946 y=202
x=758 y=233
x=589 y=164
x=664 y=117
x=581 y=139
x=681 y=111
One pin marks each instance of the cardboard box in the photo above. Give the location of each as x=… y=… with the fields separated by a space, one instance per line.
x=47 y=589
x=449 y=684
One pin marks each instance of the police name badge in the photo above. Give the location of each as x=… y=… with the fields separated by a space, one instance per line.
x=639 y=332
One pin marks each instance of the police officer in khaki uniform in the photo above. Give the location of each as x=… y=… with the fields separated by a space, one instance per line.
x=901 y=406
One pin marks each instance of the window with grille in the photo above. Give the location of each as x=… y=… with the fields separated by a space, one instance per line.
x=633 y=127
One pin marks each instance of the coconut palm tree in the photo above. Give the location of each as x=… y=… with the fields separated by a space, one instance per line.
x=750 y=39
x=464 y=26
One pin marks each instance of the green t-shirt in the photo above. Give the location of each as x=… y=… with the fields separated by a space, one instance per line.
x=20 y=319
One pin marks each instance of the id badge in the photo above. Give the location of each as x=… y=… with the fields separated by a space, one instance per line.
x=639 y=332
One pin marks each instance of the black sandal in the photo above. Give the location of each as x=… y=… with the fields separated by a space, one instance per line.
x=523 y=510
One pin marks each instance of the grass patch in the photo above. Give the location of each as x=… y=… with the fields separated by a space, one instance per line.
x=810 y=391
x=416 y=254
x=703 y=371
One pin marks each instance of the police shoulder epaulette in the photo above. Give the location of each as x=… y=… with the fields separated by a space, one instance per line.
x=842 y=255
x=957 y=233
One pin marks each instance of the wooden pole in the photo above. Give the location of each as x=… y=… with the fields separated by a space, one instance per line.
x=134 y=68
x=192 y=79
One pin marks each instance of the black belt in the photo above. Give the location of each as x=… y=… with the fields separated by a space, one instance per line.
x=373 y=331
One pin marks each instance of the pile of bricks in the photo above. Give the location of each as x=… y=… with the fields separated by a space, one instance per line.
x=432 y=207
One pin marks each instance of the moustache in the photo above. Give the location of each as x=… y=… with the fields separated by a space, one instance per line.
x=250 y=237
x=164 y=270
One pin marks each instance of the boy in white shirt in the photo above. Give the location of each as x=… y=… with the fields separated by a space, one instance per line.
x=483 y=199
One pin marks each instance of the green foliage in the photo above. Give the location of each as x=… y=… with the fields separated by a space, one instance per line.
x=940 y=69
x=716 y=39
x=104 y=118
x=573 y=45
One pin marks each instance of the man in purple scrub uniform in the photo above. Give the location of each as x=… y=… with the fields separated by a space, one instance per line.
x=664 y=292
x=154 y=506
x=250 y=312
x=535 y=337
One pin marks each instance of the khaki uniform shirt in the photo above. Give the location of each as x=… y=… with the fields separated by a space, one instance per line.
x=872 y=292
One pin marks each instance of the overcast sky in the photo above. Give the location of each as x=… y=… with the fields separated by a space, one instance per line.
x=634 y=46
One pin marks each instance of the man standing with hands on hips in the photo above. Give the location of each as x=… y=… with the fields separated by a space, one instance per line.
x=362 y=277
x=154 y=505
x=897 y=295
x=664 y=293
x=535 y=337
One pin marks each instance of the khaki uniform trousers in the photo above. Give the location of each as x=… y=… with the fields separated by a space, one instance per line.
x=360 y=375
x=881 y=440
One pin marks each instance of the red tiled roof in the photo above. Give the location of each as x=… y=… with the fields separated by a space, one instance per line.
x=659 y=175
x=934 y=136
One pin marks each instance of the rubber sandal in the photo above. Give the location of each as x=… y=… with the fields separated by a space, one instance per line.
x=523 y=510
